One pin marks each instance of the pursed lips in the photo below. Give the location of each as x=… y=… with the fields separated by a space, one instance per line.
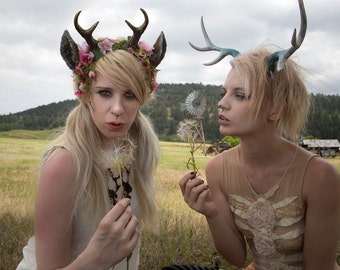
x=115 y=125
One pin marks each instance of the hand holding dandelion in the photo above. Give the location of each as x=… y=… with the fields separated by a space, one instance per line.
x=120 y=158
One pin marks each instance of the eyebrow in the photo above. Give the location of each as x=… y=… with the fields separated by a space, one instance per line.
x=102 y=87
x=238 y=88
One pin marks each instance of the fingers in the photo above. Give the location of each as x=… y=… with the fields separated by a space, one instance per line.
x=116 y=211
x=186 y=178
x=126 y=221
x=120 y=219
x=116 y=236
x=193 y=189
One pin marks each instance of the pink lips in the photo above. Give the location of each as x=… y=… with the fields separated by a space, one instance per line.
x=115 y=126
x=223 y=120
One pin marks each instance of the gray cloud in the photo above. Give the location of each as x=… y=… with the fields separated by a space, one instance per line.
x=33 y=73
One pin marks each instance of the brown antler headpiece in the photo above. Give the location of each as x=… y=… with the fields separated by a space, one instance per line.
x=278 y=57
x=86 y=34
x=80 y=60
x=137 y=31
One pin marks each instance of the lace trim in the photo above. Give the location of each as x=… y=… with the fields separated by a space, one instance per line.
x=259 y=218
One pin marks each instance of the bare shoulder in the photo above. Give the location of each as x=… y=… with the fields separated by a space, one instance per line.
x=54 y=205
x=214 y=169
x=215 y=162
x=58 y=169
x=55 y=196
x=60 y=163
x=322 y=179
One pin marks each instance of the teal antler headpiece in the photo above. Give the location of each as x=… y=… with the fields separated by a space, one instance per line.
x=211 y=47
x=278 y=57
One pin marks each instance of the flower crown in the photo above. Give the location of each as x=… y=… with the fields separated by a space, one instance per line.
x=81 y=59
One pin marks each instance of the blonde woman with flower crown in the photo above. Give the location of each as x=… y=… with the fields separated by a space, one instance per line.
x=268 y=195
x=96 y=181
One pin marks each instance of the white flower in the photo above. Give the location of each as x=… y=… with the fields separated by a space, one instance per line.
x=186 y=129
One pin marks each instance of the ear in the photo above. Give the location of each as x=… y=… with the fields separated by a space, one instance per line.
x=277 y=112
x=274 y=115
x=69 y=50
x=159 y=50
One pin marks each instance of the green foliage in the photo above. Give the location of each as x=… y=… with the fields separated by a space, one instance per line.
x=167 y=110
x=233 y=141
x=43 y=117
x=324 y=118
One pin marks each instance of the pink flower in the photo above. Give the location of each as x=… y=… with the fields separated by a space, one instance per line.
x=78 y=70
x=84 y=48
x=92 y=74
x=130 y=50
x=105 y=45
x=79 y=92
x=75 y=78
x=145 y=47
x=78 y=75
x=117 y=40
x=142 y=56
x=86 y=59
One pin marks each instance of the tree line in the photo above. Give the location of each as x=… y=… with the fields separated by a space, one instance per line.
x=168 y=109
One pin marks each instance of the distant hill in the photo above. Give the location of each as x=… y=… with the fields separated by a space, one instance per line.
x=48 y=116
x=168 y=110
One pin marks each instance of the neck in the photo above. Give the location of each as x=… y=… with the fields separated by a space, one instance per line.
x=264 y=151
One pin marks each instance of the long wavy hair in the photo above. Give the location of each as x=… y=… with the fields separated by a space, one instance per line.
x=284 y=90
x=82 y=139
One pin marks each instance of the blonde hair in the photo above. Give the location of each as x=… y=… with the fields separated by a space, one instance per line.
x=83 y=140
x=284 y=90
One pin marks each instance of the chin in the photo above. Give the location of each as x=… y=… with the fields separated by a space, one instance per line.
x=224 y=131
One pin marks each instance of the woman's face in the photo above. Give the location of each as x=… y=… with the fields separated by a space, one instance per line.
x=234 y=109
x=113 y=108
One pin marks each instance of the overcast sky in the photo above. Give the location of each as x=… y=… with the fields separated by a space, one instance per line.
x=33 y=73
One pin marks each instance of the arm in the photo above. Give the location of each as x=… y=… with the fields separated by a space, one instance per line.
x=227 y=238
x=114 y=239
x=53 y=211
x=204 y=199
x=322 y=228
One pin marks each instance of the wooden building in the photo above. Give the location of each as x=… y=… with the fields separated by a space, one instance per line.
x=324 y=148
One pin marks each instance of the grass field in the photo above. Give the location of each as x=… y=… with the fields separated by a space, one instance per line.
x=183 y=236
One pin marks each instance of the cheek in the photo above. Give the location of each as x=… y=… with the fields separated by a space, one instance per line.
x=97 y=111
x=134 y=108
x=133 y=113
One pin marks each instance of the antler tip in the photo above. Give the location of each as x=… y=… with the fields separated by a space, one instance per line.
x=143 y=10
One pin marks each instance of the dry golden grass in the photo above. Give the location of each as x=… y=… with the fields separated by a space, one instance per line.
x=183 y=236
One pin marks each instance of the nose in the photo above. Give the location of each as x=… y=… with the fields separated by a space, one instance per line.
x=224 y=103
x=117 y=107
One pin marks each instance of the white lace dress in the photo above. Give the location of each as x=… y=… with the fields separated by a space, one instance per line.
x=84 y=225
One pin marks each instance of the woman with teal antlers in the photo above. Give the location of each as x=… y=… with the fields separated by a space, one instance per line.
x=96 y=180
x=268 y=195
